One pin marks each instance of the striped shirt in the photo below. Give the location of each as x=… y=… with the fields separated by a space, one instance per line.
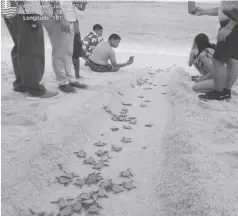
x=225 y=4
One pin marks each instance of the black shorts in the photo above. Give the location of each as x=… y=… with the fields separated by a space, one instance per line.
x=227 y=49
x=78 y=49
x=99 y=68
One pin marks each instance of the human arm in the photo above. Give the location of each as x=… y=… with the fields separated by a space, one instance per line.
x=198 y=11
x=114 y=62
x=192 y=56
x=207 y=66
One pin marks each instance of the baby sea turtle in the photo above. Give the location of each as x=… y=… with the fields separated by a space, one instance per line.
x=124 y=110
x=99 y=165
x=90 y=161
x=117 y=189
x=63 y=180
x=102 y=193
x=114 y=129
x=85 y=196
x=148 y=125
x=60 y=166
x=101 y=153
x=164 y=85
x=141 y=97
x=132 y=86
x=143 y=105
x=70 y=175
x=133 y=122
x=128 y=185
x=80 y=182
x=105 y=158
x=94 y=209
x=106 y=185
x=127 y=173
x=81 y=154
x=120 y=94
x=126 y=104
x=114 y=118
x=144 y=147
x=116 y=149
x=67 y=211
x=88 y=202
x=132 y=118
x=149 y=88
x=126 y=140
x=164 y=93
x=94 y=178
x=147 y=101
x=100 y=143
x=127 y=127
x=78 y=206
x=107 y=109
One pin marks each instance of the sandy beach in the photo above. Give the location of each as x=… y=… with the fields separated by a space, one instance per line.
x=184 y=163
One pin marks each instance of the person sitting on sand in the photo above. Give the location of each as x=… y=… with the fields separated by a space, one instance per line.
x=201 y=58
x=92 y=40
x=98 y=61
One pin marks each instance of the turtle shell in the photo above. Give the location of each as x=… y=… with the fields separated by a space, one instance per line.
x=63 y=180
x=67 y=211
x=100 y=143
x=140 y=96
x=133 y=122
x=78 y=206
x=128 y=185
x=117 y=189
x=148 y=125
x=88 y=202
x=114 y=129
x=126 y=104
x=85 y=196
x=106 y=185
x=98 y=166
x=127 y=127
x=93 y=178
x=100 y=153
x=147 y=101
x=90 y=161
x=80 y=182
x=126 y=140
x=94 y=209
x=143 y=105
x=116 y=149
x=127 y=173
x=102 y=193
x=81 y=154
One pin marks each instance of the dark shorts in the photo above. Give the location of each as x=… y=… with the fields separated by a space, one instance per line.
x=227 y=49
x=99 y=68
x=78 y=49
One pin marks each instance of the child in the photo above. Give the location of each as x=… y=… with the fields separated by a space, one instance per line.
x=201 y=58
x=92 y=40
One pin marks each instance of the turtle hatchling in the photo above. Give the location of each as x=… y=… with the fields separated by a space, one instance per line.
x=100 y=143
x=127 y=173
x=94 y=209
x=133 y=122
x=78 y=206
x=147 y=101
x=127 y=127
x=102 y=193
x=94 y=178
x=107 y=185
x=148 y=125
x=128 y=185
x=85 y=196
x=143 y=105
x=99 y=165
x=126 y=104
x=63 y=180
x=114 y=129
x=80 y=182
x=81 y=154
x=117 y=188
x=90 y=161
x=67 y=211
x=116 y=149
x=101 y=153
x=126 y=140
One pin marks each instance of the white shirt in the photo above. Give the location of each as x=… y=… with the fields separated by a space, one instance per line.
x=226 y=4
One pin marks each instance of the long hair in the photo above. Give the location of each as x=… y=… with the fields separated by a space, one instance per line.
x=202 y=42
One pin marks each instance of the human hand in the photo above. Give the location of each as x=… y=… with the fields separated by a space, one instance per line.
x=223 y=33
x=130 y=61
x=197 y=11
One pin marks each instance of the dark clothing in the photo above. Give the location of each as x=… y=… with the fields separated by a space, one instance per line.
x=99 y=68
x=78 y=50
x=28 y=53
x=227 y=49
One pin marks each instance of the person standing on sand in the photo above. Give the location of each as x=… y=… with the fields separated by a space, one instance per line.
x=61 y=34
x=98 y=61
x=77 y=50
x=225 y=58
x=28 y=53
x=201 y=57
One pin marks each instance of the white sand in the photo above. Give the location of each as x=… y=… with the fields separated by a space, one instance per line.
x=186 y=168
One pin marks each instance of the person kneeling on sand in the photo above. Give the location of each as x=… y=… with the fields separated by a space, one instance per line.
x=201 y=58
x=98 y=61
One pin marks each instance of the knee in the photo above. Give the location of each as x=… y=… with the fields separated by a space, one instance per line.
x=195 y=88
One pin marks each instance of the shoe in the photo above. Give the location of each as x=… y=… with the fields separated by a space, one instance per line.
x=227 y=92
x=47 y=94
x=78 y=85
x=215 y=95
x=67 y=88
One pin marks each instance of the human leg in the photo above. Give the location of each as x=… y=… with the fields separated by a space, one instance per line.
x=204 y=86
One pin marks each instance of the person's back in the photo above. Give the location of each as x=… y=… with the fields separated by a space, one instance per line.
x=101 y=53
